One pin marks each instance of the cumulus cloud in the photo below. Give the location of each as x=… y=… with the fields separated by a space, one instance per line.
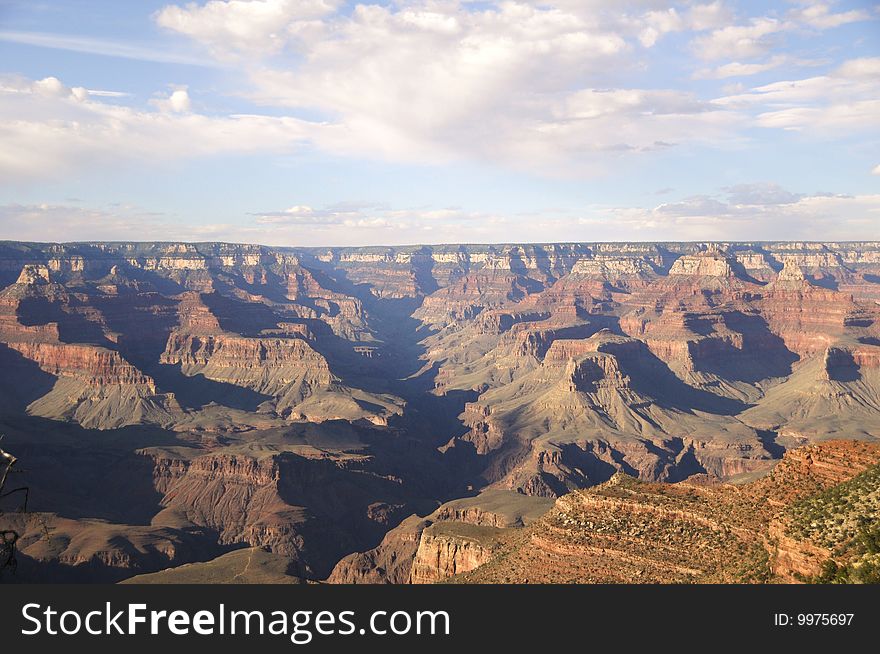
x=510 y=83
x=754 y=39
x=177 y=102
x=244 y=26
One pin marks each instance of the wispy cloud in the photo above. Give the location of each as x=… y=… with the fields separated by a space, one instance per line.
x=107 y=48
x=756 y=211
x=369 y=215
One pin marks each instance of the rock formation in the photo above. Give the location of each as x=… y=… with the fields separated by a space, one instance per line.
x=319 y=404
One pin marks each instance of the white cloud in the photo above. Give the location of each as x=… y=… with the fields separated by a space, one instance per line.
x=749 y=212
x=48 y=129
x=350 y=223
x=876 y=170
x=846 y=99
x=708 y=16
x=244 y=26
x=739 y=69
x=755 y=39
x=177 y=102
x=866 y=68
x=762 y=34
x=757 y=211
x=511 y=83
x=657 y=23
x=60 y=222
x=104 y=47
x=820 y=16
x=505 y=82
x=371 y=215
x=532 y=85
x=762 y=193
x=832 y=118
x=697 y=205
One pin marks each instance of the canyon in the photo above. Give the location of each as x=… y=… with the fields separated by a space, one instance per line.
x=503 y=413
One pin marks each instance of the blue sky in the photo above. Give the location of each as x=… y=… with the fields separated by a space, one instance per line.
x=321 y=122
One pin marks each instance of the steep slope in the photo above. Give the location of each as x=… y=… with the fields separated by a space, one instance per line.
x=833 y=396
x=627 y=531
x=833 y=536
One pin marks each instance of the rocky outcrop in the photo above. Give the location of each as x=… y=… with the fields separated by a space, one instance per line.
x=589 y=410
x=266 y=365
x=33 y=274
x=238 y=497
x=827 y=525
x=96 y=386
x=446 y=550
x=277 y=502
x=711 y=263
x=793 y=560
x=388 y=563
x=612 y=268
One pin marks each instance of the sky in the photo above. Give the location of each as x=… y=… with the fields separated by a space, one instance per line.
x=325 y=122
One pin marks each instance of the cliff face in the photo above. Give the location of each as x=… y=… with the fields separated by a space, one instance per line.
x=444 y=552
x=795 y=560
x=388 y=563
x=93 y=365
x=713 y=263
x=457 y=537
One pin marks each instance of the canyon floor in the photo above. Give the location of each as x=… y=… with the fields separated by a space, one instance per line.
x=581 y=412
